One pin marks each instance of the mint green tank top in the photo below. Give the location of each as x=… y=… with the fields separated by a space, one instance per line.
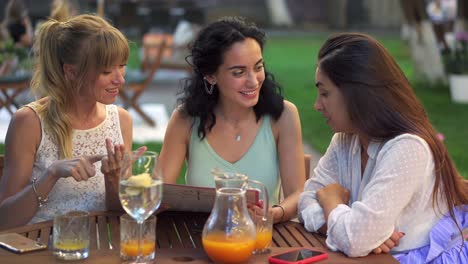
x=260 y=162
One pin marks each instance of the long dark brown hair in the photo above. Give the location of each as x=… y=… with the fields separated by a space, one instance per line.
x=382 y=104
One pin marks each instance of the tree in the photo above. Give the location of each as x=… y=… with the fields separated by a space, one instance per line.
x=462 y=15
x=424 y=51
x=279 y=13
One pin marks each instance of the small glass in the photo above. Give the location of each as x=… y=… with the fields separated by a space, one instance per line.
x=129 y=229
x=264 y=228
x=71 y=235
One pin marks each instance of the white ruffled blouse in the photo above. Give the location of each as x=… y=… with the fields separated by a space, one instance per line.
x=394 y=193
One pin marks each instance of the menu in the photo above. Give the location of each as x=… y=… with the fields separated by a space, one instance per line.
x=196 y=199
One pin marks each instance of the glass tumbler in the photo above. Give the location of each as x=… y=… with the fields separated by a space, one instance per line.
x=264 y=231
x=129 y=239
x=71 y=235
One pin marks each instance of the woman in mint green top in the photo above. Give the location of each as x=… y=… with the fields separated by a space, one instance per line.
x=232 y=116
x=259 y=163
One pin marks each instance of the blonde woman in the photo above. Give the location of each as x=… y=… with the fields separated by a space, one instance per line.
x=62 y=10
x=55 y=146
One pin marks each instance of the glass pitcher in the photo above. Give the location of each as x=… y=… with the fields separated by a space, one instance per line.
x=229 y=234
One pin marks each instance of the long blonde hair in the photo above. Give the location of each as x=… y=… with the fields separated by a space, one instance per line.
x=89 y=43
x=62 y=10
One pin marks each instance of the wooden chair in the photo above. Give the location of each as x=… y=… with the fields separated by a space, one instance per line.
x=307 y=158
x=2 y=165
x=137 y=81
x=16 y=82
x=177 y=50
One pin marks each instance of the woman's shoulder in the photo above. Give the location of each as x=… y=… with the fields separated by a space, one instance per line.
x=38 y=104
x=289 y=113
x=25 y=119
x=343 y=141
x=180 y=119
x=407 y=140
x=125 y=119
x=123 y=113
x=26 y=114
x=289 y=106
x=407 y=144
x=179 y=127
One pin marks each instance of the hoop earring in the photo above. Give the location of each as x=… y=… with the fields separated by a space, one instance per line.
x=209 y=90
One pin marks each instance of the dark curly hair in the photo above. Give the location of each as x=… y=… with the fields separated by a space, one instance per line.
x=206 y=55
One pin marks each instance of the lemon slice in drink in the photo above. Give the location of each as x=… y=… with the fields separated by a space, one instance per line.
x=137 y=182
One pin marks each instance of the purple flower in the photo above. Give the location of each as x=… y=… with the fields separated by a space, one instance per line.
x=462 y=36
x=440 y=136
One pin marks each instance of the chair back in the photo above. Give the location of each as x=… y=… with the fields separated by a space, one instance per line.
x=2 y=165
x=150 y=64
x=184 y=33
x=307 y=158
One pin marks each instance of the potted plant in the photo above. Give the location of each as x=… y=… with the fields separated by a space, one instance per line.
x=456 y=66
x=11 y=56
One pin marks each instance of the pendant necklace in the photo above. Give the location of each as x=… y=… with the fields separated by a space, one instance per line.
x=236 y=127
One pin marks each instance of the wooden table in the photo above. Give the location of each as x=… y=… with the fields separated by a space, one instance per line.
x=178 y=238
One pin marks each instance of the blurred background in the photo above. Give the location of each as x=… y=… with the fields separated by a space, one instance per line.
x=139 y=16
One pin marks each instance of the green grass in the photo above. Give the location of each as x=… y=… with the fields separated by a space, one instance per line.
x=293 y=61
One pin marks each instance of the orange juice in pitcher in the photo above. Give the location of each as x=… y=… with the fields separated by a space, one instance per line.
x=222 y=249
x=229 y=234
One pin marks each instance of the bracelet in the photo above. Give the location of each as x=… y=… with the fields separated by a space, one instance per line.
x=282 y=209
x=40 y=200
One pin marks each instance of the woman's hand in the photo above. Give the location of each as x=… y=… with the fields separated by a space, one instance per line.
x=333 y=194
x=330 y=196
x=390 y=243
x=112 y=163
x=255 y=211
x=81 y=169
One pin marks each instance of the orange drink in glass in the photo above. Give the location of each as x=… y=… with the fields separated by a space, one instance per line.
x=130 y=247
x=264 y=231
x=263 y=239
x=71 y=235
x=129 y=229
x=223 y=249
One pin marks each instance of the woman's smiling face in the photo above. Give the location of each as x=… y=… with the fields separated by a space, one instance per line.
x=240 y=77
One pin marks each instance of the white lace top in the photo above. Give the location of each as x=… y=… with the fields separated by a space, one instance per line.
x=67 y=193
x=394 y=193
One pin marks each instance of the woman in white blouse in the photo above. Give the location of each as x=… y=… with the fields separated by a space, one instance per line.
x=386 y=179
